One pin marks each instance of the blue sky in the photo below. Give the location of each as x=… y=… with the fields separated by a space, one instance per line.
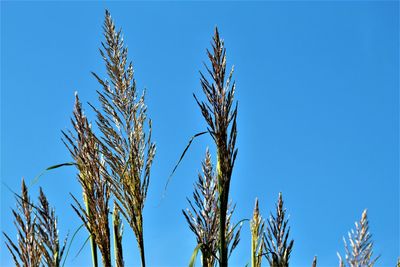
x=317 y=85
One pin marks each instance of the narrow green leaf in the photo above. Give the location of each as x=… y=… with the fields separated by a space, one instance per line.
x=61 y=165
x=180 y=159
x=36 y=179
x=194 y=256
x=70 y=242
x=82 y=247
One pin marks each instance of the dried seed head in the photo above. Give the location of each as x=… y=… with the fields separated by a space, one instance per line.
x=26 y=252
x=360 y=250
x=279 y=247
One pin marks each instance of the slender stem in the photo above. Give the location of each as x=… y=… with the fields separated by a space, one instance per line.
x=92 y=241
x=118 y=253
x=223 y=206
x=106 y=259
x=141 y=248
x=222 y=235
x=253 y=250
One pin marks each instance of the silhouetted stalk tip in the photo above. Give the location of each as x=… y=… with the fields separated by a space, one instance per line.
x=279 y=246
x=48 y=233
x=220 y=115
x=314 y=263
x=27 y=251
x=257 y=225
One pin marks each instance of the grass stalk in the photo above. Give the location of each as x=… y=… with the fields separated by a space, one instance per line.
x=257 y=225
x=203 y=215
x=26 y=251
x=118 y=232
x=84 y=148
x=93 y=246
x=220 y=116
x=126 y=133
x=278 y=245
x=47 y=229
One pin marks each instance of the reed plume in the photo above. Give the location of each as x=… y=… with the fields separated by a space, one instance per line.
x=84 y=148
x=26 y=251
x=47 y=229
x=360 y=251
x=220 y=115
x=279 y=246
x=257 y=225
x=203 y=216
x=128 y=149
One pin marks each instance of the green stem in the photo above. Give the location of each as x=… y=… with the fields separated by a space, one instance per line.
x=223 y=206
x=253 y=250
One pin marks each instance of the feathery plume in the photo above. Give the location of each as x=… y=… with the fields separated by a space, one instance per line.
x=26 y=252
x=203 y=216
x=257 y=225
x=359 y=253
x=220 y=115
x=84 y=148
x=128 y=149
x=277 y=238
x=50 y=246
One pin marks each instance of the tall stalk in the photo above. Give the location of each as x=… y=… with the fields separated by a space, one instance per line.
x=84 y=148
x=48 y=233
x=277 y=240
x=220 y=116
x=38 y=238
x=203 y=215
x=27 y=251
x=118 y=231
x=126 y=133
x=93 y=246
x=257 y=225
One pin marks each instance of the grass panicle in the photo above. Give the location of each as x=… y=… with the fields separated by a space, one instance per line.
x=278 y=245
x=84 y=148
x=257 y=226
x=232 y=235
x=220 y=113
x=203 y=215
x=26 y=251
x=359 y=250
x=128 y=149
x=50 y=246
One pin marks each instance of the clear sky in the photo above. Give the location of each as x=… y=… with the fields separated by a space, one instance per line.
x=318 y=92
